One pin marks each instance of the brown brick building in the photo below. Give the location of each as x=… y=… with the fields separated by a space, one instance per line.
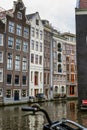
x=15 y=51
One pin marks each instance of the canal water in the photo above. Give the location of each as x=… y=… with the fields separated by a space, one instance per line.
x=13 y=118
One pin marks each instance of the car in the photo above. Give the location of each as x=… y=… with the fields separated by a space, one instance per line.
x=40 y=96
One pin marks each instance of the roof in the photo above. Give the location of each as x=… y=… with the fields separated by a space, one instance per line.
x=29 y=16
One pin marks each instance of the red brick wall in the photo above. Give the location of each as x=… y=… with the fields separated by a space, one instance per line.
x=83 y=4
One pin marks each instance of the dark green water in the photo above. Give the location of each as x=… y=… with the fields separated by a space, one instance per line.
x=13 y=118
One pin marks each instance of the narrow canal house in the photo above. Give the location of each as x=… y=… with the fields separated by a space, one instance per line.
x=81 y=45
x=71 y=65
x=47 y=58
x=14 y=54
x=59 y=65
x=36 y=71
x=2 y=27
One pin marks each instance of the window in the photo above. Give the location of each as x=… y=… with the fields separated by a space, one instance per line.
x=25 y=46
x=36 y=78
x=41 y=35
x=32 y=44
x=26 y=32
x=31 y=76
x=32 y=32
x=37 y=33
x=40 y=76
x=56 y=89
x=72 y=77
x=16 y=79
x=59 y=68
x=9 y=78
x=59 y=47
x=48 y=77
x=18 y=44
x=1 y=92
x=62 y=89
x=1 y=57
x=10 y=42
x=11 y=27
x=23 y=93
x=17 y=62
x=44 y=78
x=68 y=78
x=72 y=90
x=67 y=58
x=1 y=75
x=9 y=61
x=59 y=58
x=72 y=68
x=1 y=39
x=19 y=15
x=40 y=60
x=36 y=59
x=32 y=58
x=8 y=93
x=37 y=22
x=36 y=46
x=40 y=47
x=67 y=67
x=24 y=80
x=19 y=30
x=24 y=64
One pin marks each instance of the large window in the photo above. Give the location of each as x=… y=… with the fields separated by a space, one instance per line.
x=26 y=32
x=24 y=64
x=72 y=77
x=40 y=60
x=41 y=35
x=32 y=32
x=25 y=46
x=1 y=39
x=32 y=44
x=18 y=44
x=1 y=92
x=10 y=42
x=17 y=62
x=36 y=78
x=11 y=27
x=24 y=80
x=59 y=68
x=32 y=58
x=19 y=30
x=36 y=46
x=8 y=93
x=72 y=91
x=36 y=59
x=24 y=93
x=1 y=75
x=1 y=57
x=19 y=15
x=9 y=78
x=37 y=33
x=16 y=79
x=9 y=61
x=40 y=47
x=59 y=58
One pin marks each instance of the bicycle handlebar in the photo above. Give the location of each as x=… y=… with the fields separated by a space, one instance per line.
x=36 y=108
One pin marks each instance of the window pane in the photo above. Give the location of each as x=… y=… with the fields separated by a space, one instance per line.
x=10 y=42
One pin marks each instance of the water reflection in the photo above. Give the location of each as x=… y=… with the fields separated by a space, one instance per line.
x=12 y=118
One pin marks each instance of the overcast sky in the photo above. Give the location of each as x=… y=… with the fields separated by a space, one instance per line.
x=60 y=13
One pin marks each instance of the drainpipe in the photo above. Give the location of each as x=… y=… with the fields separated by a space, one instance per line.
x=51 y=66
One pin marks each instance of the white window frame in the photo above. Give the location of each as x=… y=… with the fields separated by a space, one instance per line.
x=1 y=39
x=1 y=74
x=1 y=57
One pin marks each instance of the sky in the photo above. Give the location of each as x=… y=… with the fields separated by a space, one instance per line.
x=60 y=13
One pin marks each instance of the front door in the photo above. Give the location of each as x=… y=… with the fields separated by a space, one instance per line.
x=16 y=95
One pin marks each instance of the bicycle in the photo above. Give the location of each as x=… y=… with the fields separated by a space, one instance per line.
x=63 y=124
